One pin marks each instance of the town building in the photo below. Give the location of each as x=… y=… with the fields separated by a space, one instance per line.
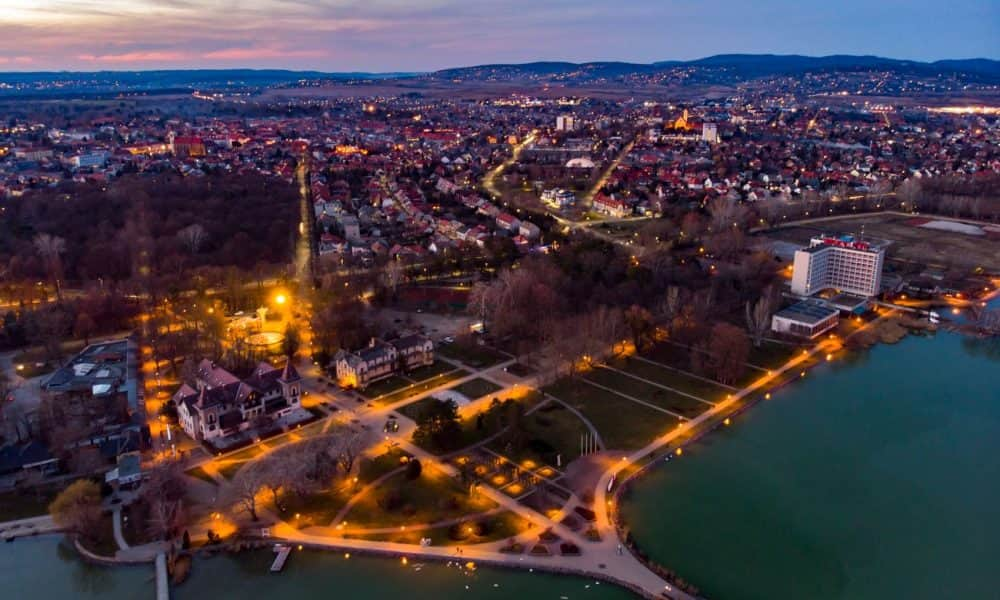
x=222 y=405
x=842 y=263
x=611 y=206
x=565 y=123
x=381 y=359
x=809 y=318
x=559 y=198
x=710 y=133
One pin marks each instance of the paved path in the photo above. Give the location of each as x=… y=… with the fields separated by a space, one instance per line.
x=116 y=520
x=593 y=430
x=27 y=527
x=162 y=585
x=624 y=569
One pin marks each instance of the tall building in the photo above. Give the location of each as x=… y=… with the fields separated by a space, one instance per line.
x=709 y=133
x=842 y=263
x=565 y=123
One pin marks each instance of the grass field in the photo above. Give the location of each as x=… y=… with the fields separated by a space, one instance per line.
x=673 y=379
x=682 y=405
x=479 y=357
x=552 y=430
x=385 y=386
x=679 y=357
x=423 y=373
x=919 y=244
x=200 y=473
x=430 y=498
x=624 y=425
x=22 y=504
x=476 y=388
x=318 y=508
x=418 y=388
x=772 y=355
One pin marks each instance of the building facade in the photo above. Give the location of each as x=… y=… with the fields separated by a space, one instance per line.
x=807 y=319
x=841 y=263
x=382 y=359
x=224 y=405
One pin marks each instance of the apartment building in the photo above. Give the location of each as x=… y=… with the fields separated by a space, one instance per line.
x=842 y=263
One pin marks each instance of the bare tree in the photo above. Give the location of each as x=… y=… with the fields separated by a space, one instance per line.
x=759 y=316
x=392 y=276
x=726 y=212
x=51 y=248
x=349 y=446
x=245 y=486
x=193 y=237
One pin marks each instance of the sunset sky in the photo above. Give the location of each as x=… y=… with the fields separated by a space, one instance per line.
x=417 y=35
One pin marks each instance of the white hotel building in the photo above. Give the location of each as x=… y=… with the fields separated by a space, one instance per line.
x=841 y=263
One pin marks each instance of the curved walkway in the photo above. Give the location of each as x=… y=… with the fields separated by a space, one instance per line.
x=586 y=421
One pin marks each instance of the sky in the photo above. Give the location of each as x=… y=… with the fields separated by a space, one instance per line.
x=423 y=35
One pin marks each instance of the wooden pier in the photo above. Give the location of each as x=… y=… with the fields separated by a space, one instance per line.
x=282 y=557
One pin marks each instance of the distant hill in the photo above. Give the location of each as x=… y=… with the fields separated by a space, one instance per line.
x=721 y=68
x=734 y=66
x=76 y=83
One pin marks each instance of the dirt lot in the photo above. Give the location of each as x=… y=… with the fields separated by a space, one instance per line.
x=934 y=248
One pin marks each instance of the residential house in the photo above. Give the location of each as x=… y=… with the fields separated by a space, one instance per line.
x=381 y=359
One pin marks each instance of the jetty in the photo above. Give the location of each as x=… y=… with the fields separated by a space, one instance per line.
x=283 y=551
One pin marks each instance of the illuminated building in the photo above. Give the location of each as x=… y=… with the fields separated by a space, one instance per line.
x=842 y=263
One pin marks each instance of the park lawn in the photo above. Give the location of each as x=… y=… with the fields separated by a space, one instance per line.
x=471 y=432
x=679 y=357
x=315 y=509
x=385 y=386
x=683 y=382
x=623 y=424
x=200 y=473
x=229 y=469
x=430 y=498
x=23 y=504
x=103 y=542
x=682 y=405
x=419 y=388
x=552 y=430
x=252 y=451
x=772 y=355
x=436 y=368
x=371 y=469
x=476 y=356
x=671 y=355
x=476 y=388
x=412 y=410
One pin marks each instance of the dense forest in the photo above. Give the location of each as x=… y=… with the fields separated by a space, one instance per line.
x=165 y=222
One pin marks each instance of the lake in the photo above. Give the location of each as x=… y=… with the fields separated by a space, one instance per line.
x=874 y=477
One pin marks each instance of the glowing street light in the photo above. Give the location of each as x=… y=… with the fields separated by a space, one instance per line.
x=280 y=299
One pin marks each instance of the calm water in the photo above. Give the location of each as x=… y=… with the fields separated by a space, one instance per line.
x=874 y=479
x=44 y=569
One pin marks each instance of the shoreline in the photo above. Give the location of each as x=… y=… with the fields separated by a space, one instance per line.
x=625 y=486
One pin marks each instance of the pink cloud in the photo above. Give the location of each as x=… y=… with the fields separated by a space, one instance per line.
x=259 y=53
x=21 y=60
x=134 y=57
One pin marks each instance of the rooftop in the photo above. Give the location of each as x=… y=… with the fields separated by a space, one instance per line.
x=808 y=311
x=102 y=369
